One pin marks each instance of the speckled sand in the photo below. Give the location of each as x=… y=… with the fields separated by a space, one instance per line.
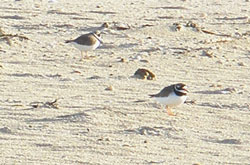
x=91 y=125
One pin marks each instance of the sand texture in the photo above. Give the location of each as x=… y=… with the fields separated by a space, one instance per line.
x=55 y=109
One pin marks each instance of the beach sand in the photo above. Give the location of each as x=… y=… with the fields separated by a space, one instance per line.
x=55 y=109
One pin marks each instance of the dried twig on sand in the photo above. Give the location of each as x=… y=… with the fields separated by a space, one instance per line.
x=8 y=36
x=212 y=33
x=48 y=104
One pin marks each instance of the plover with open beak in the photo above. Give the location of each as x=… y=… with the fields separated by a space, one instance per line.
x=172 y=96
x=87 y=42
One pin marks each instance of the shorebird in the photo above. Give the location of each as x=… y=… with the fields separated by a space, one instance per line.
x=86 y=42
x=172 y=96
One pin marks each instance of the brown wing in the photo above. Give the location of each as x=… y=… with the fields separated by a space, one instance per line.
x=164 y=92
x=86 y=39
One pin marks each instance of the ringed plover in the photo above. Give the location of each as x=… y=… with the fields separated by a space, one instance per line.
x=87 y=42
x=172 y=96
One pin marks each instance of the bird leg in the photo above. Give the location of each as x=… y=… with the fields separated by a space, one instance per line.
x=82 y=56
x=170 y=113
x=86 y=55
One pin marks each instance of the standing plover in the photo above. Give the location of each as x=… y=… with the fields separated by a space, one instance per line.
x=87 y=42
x=172 y=96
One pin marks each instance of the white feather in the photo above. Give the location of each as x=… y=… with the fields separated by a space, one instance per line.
x=172 y=100
x=86 y=47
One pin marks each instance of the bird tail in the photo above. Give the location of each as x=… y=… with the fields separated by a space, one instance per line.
x=68 y=41
x=152 y=95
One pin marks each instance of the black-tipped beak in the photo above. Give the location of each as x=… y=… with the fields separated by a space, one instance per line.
x=185 y=88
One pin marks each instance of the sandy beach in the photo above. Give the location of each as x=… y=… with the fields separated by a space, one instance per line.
x=56 y=109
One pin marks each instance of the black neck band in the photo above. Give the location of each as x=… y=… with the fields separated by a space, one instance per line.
x=178 y=93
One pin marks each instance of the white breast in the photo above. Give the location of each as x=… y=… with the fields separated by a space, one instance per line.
x=86 y=47
x=172 y=100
